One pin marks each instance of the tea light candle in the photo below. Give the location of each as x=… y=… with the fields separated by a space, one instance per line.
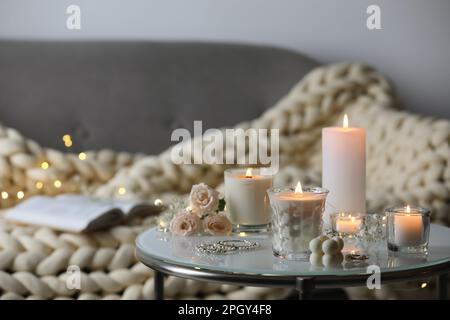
x=344 y=169
x=348 y=224
x=246 y=198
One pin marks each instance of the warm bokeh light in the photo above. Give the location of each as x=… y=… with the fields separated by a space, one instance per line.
x=82 y=156
x=158 y=202
x=57 y=184
x=5 y=195
x=408 y=209
x=121 y=190
x=39 y=185
x=248 y=173
x=45 y=165
x=67 y=140
x=20 y=195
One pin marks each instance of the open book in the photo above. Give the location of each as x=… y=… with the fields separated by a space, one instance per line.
x=77 y=213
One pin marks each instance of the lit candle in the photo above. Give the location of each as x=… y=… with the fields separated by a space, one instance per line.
x=296 y=219
x=348 y=224
x=344 y=169
x=246 y=198
x=408 y=227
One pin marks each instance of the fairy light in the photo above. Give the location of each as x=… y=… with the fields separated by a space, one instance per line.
x=39 y=185
x=82 y=156
x=67 y=140
x=5 y=195
x=45 y=165
x=20 y=195
x=158 y=202
x=121 y=191
x=423 y=285
x=57 y=183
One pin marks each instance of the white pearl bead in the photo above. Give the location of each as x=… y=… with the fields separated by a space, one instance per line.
x=315 y=245
x=330 y=247
x=316 y=259
x=339 y=257
x=340 y=243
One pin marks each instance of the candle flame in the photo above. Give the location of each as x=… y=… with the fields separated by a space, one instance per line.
x=298 y=188
x=248 y=173
x=408 y=209
x=345 y=122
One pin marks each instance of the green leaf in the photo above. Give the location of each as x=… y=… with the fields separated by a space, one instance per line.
x=221 y=205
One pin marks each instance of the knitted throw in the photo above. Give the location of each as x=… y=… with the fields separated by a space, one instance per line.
x=407 y=161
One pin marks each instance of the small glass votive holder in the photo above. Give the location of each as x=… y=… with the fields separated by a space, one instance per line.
x=347 y=224
x=408 y=229
x=296 y=220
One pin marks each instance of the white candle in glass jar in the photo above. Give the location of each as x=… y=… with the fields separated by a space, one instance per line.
x=344 y=169
x=296 y=220
x=408 y=226
x=246 y=197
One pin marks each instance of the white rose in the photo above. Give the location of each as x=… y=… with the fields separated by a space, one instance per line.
x=203 y=199
x=185 y=224
x=217 y=225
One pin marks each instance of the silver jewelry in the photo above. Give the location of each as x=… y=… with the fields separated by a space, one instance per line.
x=226 y=246
x=357 y=257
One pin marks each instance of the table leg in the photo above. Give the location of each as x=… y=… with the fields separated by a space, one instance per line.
x=442 y=283
x=304 y=287
x=159 y=285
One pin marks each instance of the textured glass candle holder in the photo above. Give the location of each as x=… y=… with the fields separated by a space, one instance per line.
x=408 y=229
x=296 y=220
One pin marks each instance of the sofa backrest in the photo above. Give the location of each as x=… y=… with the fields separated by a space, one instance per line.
x=130 y=95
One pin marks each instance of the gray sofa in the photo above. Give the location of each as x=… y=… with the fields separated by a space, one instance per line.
x=131 y=95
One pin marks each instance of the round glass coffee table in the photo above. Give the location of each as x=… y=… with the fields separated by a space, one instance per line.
x=173 y=255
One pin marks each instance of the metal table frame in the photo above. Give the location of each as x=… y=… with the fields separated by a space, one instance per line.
x=303 y=284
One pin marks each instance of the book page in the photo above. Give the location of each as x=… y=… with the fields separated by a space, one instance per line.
x=135 y=208
x=65 y=212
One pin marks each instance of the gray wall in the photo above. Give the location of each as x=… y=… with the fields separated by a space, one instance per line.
x=413 y=47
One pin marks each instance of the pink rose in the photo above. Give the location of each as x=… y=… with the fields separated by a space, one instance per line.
x=203 y=199
x=185 y=224
x=217 y=225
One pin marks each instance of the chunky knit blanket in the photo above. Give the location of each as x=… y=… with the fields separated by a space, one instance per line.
x=407 y=161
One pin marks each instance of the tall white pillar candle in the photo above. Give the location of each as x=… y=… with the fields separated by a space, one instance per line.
x=344 y=169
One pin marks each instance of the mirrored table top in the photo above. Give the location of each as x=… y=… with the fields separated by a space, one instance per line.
x=155 y=245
